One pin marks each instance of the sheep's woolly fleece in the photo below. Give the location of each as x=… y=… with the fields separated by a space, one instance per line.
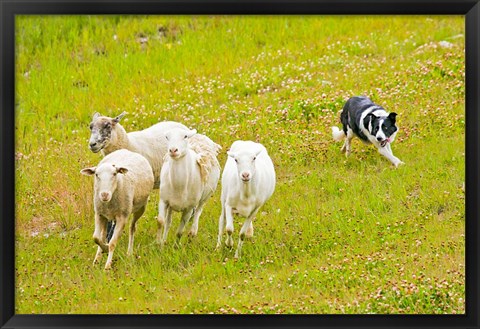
x=207 y=151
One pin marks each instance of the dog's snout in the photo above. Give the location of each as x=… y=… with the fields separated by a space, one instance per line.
x=379 y=139
x=92 y=144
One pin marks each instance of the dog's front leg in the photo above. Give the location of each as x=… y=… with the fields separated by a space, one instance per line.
x=389 y=148
x=387 y=152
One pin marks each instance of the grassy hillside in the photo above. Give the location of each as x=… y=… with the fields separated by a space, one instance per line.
x=338 y=236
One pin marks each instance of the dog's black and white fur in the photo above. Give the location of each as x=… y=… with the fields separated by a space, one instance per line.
x=369 y=122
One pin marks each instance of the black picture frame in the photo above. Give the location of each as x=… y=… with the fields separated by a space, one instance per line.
x=9 y=9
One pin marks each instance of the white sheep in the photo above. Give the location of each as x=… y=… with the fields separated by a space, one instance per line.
x=123 y=182
x=108 y=135
x=189 y=176
x=248 y=181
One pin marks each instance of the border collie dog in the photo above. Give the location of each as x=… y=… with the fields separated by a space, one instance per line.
x=371 y=123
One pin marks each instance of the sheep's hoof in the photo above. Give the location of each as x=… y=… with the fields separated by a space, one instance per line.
x=229 y=242
x=237 y=255
x=108 y=267
x=192 y=233
x=177 y=244
x=249 y=232
x=97 y=258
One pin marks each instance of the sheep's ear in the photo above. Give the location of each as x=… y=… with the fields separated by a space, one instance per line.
x=231 y=154
x=118 y=117
x=88 y=171
x=96 y=115
x=122 y=170
x=191 y=133
x=258 y=152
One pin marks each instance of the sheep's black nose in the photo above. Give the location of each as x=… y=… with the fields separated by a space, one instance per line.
x=93 y=144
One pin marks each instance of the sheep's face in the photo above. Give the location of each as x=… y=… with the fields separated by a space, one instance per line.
x=101 y=131
x=177 y=142
x=105 y=179
x=245 y=162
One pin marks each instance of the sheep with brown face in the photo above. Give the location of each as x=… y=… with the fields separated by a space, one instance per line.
x=123 y=182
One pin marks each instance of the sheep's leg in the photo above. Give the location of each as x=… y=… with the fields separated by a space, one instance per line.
x=194 y=229
x=246 y=225
x=221 y=224
x=168 y=223
x=119 y=225
x=186 y=215
x=136 y=216
x=229 y=227
x=98 y=255
x=249 y=232
x=162 y=208
x=100 y=233
x=110 y=228
x=100 y=236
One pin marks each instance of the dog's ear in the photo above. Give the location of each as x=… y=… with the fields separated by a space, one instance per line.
x=392 y=116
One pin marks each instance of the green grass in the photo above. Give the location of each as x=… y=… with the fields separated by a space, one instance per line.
x=338 y=236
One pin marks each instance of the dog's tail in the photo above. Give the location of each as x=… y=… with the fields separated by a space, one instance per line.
x=337 y=134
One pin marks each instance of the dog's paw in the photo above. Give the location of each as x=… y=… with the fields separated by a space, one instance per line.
x=398 y=164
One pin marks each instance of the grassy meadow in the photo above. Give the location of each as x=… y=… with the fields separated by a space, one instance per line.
x=338 y=235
